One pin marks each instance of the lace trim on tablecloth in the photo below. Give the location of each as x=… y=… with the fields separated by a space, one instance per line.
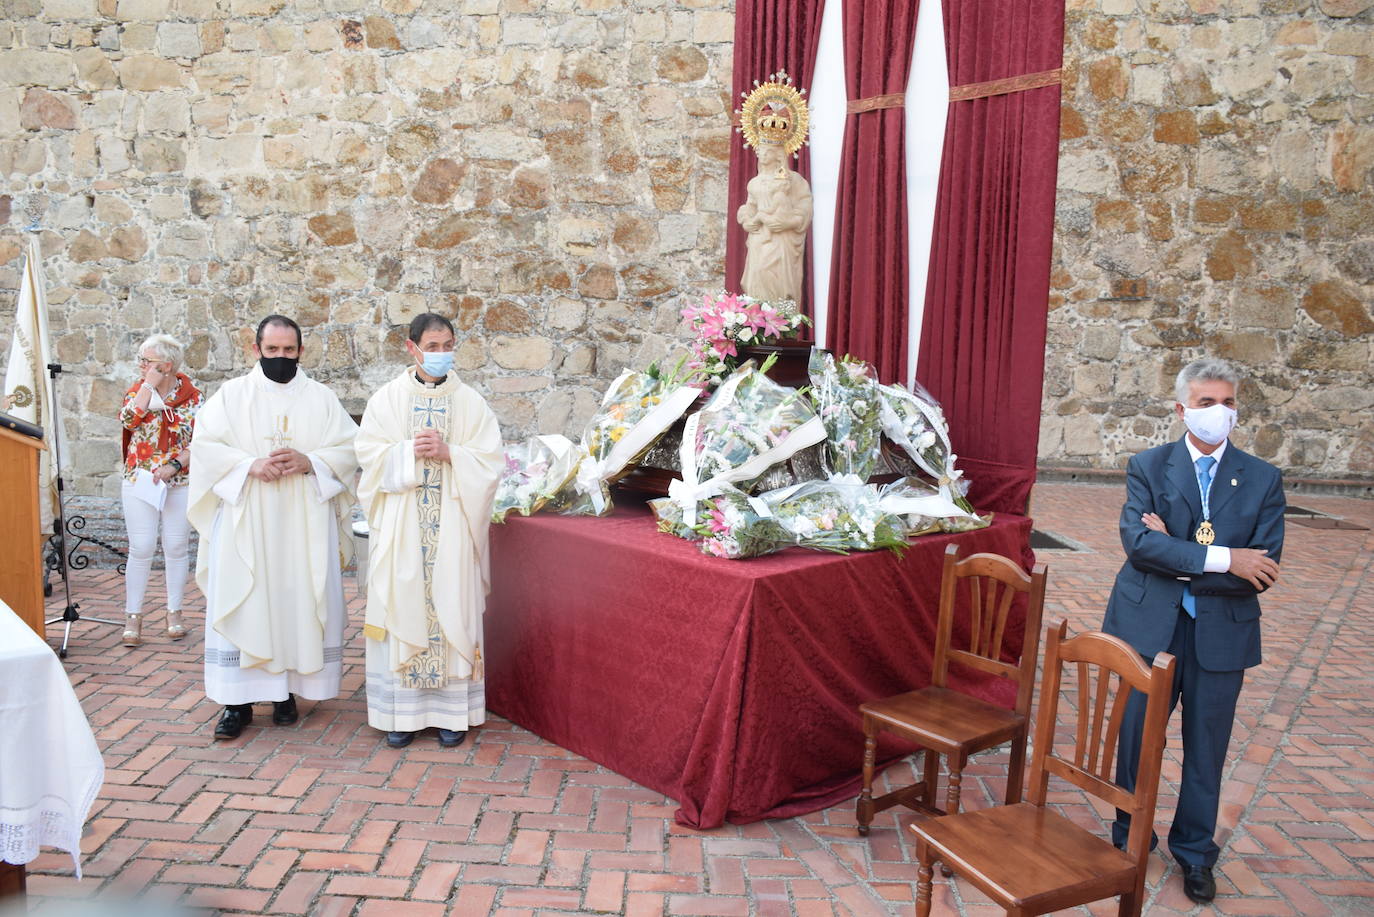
x=23 y=831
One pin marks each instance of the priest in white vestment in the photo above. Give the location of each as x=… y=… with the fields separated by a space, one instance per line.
x=430 y=451
x=272 y=462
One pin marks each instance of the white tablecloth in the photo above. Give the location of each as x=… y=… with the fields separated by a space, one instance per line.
x=50 y=766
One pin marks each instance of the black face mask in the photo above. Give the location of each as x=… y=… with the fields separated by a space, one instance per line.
x=279 y=369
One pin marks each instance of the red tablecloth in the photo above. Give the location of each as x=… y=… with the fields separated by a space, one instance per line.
x=730 y=686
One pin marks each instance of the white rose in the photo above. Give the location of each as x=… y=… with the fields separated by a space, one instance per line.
x=926 y=441
x=746 y=334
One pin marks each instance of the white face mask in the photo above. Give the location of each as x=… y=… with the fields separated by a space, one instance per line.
x=1211 y=425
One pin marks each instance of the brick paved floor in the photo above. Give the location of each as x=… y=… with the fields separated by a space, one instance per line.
x=319 y=818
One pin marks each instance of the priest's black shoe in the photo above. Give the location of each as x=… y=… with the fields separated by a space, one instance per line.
x=1198 y=884
x=284 y=711
x=399 y=739
x=450 y=738
x=234 y=718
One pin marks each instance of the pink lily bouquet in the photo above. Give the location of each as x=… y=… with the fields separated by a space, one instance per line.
x=720 y=324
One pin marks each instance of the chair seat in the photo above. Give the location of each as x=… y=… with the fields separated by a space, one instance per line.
x=946 y=720
x=1026 y=856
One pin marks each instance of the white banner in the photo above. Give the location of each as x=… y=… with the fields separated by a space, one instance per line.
x=28 y=387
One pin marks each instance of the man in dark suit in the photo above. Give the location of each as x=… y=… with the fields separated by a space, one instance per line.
x=1203 y=531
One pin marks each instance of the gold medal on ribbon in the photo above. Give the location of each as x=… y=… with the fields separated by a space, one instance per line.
x=1204 y=534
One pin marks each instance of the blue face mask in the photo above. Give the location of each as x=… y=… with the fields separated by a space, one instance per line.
x=437 y=365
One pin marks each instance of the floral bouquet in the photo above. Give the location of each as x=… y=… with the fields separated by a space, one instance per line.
x=913 y=420
x=846 y=397
x=736 y=526
x=536 y=470
x=841 y=514
x=750 y=424
x=634 y=413
x=924 y=509
x=720 y=323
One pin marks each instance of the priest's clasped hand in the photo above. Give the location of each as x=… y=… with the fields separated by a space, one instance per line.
x=279 y=464
x=429 y=444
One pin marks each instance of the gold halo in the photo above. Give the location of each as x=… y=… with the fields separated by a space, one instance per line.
x=775 y=100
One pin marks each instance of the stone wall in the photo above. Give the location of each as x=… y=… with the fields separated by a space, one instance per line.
x=549 y=172
x=1216 y=194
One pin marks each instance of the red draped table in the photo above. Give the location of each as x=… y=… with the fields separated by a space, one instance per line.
x=730 y=686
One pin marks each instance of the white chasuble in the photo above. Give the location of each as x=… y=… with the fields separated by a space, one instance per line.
x=427 y=553
x=270 y=556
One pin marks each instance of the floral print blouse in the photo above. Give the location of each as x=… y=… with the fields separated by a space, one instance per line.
x=153 y=438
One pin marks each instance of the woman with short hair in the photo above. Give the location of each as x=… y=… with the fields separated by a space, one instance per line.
x=158 y=413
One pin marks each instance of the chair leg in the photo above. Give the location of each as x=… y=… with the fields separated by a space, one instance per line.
x=956 y=780
x=1016 y=770
x=924 y=880
x=864 y=809
x=1133 y=902
x=931 y=776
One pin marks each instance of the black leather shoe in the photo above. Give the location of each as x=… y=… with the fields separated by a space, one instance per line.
x=451 y=739
x=1198 y=884
x=399 y=739
x=234 y=718
x=284 y=711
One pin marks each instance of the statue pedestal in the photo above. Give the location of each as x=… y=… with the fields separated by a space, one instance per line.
x=792 y=363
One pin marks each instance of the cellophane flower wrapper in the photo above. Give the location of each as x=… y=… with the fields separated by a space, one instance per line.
x=535 y=472
x=924 y=509
x=635 y=411
x=847 y=399
x=668 y=516
x=914 y=421
x=750 y=424
x=841 y=514
x=735 y=526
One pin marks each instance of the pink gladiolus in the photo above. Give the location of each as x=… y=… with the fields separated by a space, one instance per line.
x=717 y=522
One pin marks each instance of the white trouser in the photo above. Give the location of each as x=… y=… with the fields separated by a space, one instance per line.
x=142 y=520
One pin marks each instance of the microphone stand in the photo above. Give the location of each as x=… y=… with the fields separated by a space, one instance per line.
x=71 y=614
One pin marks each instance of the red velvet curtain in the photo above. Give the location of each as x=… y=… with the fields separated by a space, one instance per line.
x=982 y=347
x=868 y=279
x=770 y=35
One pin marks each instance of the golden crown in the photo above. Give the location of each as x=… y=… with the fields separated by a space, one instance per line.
x=775 y=113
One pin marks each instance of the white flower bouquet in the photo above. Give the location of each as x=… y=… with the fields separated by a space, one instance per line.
x=846 y=398
x=913 y=421
x=841 y=514
x=924 y=509
x=750 y=424
x=635 y=411
x=535 y=472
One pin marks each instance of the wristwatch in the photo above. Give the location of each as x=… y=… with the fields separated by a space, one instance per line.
x=176 y=464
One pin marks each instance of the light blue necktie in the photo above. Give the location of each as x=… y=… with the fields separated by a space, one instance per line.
x=1204 y=465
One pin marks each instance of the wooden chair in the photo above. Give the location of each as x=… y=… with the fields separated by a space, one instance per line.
x=948 y=722
x=1030 y=859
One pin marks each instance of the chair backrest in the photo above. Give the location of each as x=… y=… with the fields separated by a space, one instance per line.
x=1107 y=669
x=986 y=586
